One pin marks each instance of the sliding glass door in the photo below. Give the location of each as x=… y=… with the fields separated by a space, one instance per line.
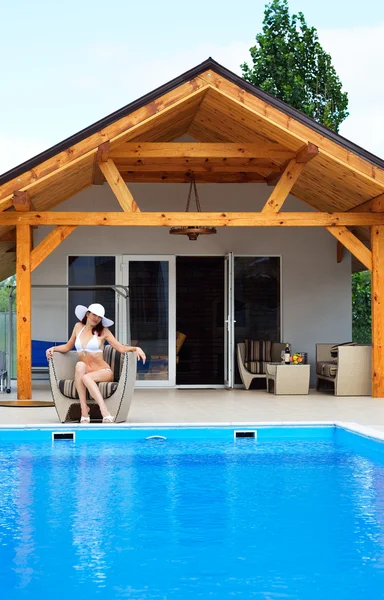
x=220 y=302
x=257 y=300
x=228 y=322
x=151 y=316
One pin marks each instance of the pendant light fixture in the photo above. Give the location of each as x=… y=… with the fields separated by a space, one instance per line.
x=191 y=231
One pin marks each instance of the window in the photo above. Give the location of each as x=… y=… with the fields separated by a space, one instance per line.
x=89 y=271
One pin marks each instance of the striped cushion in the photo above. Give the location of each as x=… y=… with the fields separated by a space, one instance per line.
x=327 y=369
x=67 y=388
x=107 y=388
x=335 y=349
x=257 y=352
x=115 y=361
x=257 y=367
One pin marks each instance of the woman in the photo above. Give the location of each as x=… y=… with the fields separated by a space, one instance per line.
x=89 y=337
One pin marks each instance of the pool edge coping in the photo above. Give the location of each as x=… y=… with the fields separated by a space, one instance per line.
x=363 y=430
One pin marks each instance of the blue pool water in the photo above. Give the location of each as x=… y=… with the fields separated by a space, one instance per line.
x=151 y=519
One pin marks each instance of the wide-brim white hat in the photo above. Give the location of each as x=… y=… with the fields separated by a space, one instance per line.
x=96 y=309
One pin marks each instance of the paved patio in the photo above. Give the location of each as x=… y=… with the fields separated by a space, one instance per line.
x=197 y=406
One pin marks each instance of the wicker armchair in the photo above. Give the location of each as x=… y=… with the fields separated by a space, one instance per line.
x=117 y=394
x=246 y=376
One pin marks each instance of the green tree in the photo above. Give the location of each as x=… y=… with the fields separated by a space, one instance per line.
x=361 y=307
x=290 y=64
x=4 y=292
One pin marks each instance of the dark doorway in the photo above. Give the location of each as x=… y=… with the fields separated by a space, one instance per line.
x=200 y=316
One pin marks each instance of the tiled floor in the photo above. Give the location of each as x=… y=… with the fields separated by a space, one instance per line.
x=186 y=406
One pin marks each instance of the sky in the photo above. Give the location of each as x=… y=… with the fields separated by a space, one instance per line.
x=66 y=65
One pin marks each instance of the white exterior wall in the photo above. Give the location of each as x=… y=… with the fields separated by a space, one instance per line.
x=316 y=290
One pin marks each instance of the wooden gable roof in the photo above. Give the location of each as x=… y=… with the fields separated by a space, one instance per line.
x=213 y=105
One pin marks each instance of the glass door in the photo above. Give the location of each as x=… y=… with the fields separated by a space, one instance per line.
x=150 y=316
x=229 y=322
x=200 y=320
x=257 y=300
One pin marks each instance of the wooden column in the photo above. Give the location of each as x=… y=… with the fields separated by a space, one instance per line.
x=377 y=245
x=23 y=311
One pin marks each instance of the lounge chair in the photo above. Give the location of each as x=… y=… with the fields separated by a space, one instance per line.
x=117 y=394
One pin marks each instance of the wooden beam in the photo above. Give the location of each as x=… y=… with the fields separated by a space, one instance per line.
x=377 y=244
x=23 y=311
x=303 y=156
x=225 y=150
x=8 y=236
x=120 y=130
x=280 y=121
x=118 y=186
x=50 y=178
x=353 y=244
x=6 y=203
x=198 y=165
x=185 y=177
x=283 y=187
x=21 y=201
x=103 y=150
x=274 y=177
x=49 y=243
x=377 y=303
x=374 y=205
x=97 y=176
x=307 y=153
x=217 y=219
x=339 y=251
x=101 y=156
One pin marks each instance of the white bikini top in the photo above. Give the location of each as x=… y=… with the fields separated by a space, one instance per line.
x=92 y=346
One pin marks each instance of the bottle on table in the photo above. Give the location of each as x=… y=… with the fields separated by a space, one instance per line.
x=287 y=355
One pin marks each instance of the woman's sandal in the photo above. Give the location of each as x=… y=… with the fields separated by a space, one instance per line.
x=108 y=419
x=85 y=420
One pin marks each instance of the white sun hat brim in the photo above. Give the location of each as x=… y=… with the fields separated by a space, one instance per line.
x=96 y=309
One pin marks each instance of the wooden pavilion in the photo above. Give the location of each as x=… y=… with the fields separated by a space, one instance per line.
x=244 y=135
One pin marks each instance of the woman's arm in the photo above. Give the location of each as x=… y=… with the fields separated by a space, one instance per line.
x=110 y=338
x=63 y=347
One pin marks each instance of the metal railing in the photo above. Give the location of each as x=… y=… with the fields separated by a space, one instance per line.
x=10 y=317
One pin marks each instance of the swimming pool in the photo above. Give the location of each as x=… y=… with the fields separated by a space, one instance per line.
x=293 y=513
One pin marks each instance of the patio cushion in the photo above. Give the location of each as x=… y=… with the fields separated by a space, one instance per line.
x=107 y=388
x=257 y=367
x=335 y=349
x=257 y=354
x=68 y=388
x=326 y=368
x=115 y=361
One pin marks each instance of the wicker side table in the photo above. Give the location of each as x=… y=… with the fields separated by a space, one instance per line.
x=288 y=379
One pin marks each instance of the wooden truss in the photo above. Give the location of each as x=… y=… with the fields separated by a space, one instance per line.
x=273 y=148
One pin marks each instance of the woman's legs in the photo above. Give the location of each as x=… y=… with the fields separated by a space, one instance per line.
x=90 y=379
x=80 y=371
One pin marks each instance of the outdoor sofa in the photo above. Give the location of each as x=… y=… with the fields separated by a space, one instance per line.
x=345 y=369
x=117 y=394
